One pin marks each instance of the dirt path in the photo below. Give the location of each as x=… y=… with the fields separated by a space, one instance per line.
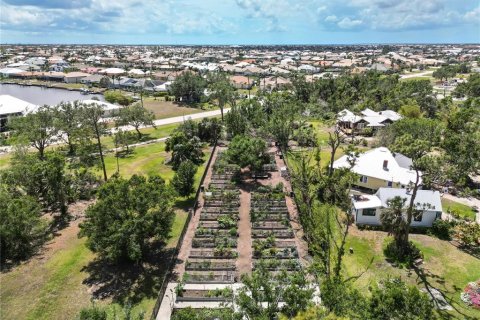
x=276 y=178
x=244 y=260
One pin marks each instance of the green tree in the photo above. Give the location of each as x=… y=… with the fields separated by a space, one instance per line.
x=189 y=87
x=115 y=96
x=210 y=130
x=136 y=116
x=95 y=128
x=393 y=299
x=183 y=149
x=236 y=123
x=248 y=152
x=261 y=293
x=128 y=214
x=44 y=179
x=221 y=90
x=36 y=128
x=21 y=225
x=68 y=121
x=184 y=179
x=411 y=110
x=426 y=170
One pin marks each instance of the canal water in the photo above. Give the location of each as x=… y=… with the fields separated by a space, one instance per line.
x=41 y=96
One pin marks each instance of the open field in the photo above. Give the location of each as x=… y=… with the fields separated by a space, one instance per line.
x=167 y=109
x=64 y=276
x=445 y=267
x=462 y=210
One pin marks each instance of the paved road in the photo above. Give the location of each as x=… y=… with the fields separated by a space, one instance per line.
x=414 y=75
x=162 y=122
x=159 y=122
x=466 y=201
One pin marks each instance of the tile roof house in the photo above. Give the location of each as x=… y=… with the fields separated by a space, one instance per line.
x=367 y=209
x=379 y=168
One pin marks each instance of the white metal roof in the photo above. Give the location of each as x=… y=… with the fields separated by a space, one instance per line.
x=12 y=105
x=370 y=164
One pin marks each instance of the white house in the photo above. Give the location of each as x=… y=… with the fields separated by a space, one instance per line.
x=368 y=208
x=379 y=168
x=350 y=122
x=12 y=107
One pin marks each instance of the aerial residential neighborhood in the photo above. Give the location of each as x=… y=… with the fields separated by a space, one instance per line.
x=240 y=160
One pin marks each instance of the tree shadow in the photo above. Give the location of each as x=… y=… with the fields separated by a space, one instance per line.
x=473 y=251
x=128 y=282
x=423 y=276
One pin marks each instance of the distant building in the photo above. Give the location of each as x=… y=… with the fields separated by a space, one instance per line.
x=367 y=209
x=351 y=123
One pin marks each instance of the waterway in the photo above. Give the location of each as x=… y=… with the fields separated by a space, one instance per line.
x=41 y=95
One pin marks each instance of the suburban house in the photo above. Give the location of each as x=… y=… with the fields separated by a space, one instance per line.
x=241 y=82
x=379 y=168
x=367 y=120
x=75 y=77
x=368 y=208
x=13 y=107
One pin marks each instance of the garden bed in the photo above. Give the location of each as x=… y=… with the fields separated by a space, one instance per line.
x=210 y=277
x=277 y=233
x=210 y=264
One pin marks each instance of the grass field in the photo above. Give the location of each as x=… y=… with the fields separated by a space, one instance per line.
x=167 y=109
x=446 y=268
x=460 y=209
x=60 y=280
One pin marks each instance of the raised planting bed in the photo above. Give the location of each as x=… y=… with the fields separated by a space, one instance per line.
x=277 y=233
x=225 y=294
x=214 y=242
x=210 y=264
x=285 y=224
x=209 y=216
x=276 y=253
x=290 y=264
x=217 y=253
x=268 y=216
x=221 y=203
x=210 y=277
x=222 y=185
x=269 y=208
x=205 y=233
x=220 y=210
x=203 y=313
x=224 y=222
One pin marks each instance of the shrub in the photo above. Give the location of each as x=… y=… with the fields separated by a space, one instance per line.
x=92 y=313
x=392 y=253
x=442 y=229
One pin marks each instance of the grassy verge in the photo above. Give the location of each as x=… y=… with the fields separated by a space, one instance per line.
x=463 y=211
x=58 y=283
x=167 y=109
x=445 y=267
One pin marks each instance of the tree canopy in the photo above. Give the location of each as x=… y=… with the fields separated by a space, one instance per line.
x=128 y=214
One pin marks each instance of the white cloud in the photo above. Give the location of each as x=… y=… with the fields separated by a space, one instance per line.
x=347 y=23
x=332 y=18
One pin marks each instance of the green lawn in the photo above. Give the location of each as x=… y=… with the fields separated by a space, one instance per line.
x=458 y=208
x=51 y=286
x=5 y=160
x=167 y=109
x=445 y=267
x=321 y=129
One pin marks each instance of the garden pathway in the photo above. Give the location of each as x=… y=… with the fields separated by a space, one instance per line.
x=244 y=247
x=189 y=235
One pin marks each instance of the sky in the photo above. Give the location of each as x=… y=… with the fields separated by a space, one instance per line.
x=239 y=21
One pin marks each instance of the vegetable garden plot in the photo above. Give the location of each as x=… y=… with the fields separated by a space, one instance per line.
x=217 y=253
x=277 y=233
x=206 y=264
x=225 y=294
x=289 y=264
x=211 y=276
x=213 y=253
